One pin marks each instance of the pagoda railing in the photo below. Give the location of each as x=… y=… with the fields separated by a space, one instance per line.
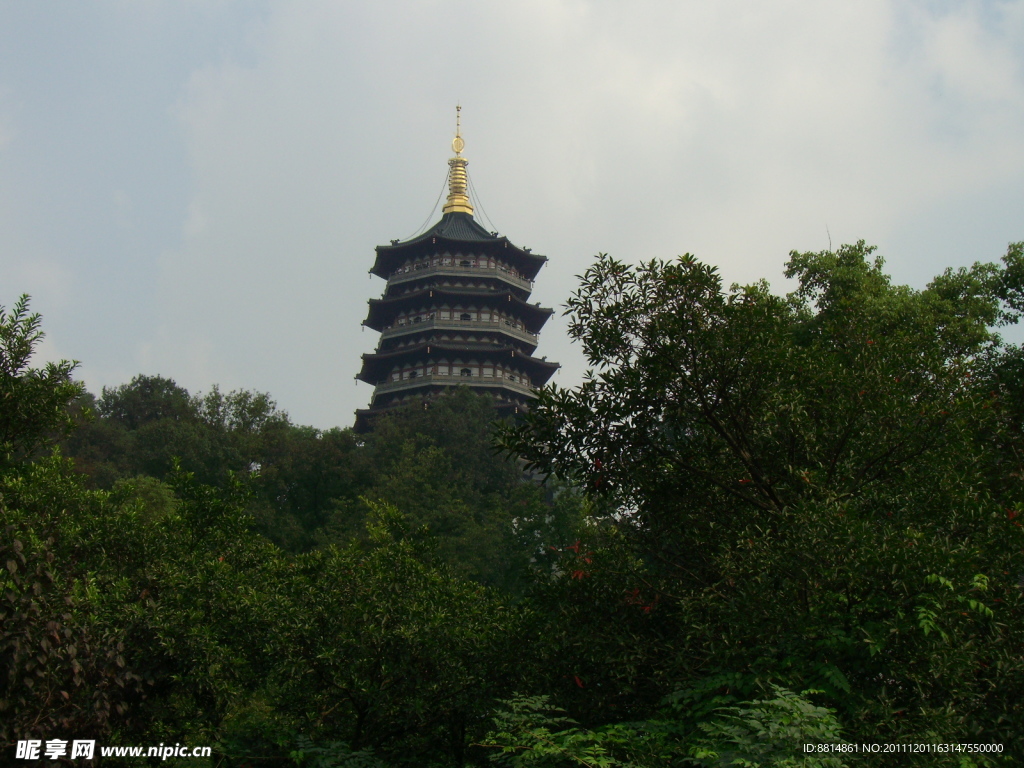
x=440 y=324
x=490 y=382
x=457 y=270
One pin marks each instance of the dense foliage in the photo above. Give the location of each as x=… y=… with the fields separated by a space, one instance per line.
x=762 y=521
x=33 y=401
x=307 y=486
x=817 y=490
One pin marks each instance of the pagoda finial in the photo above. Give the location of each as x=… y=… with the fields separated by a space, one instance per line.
x=458 y=197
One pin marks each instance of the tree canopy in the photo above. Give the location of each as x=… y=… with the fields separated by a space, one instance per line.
x=33 y=401
x=761 y=521
x=817 y=490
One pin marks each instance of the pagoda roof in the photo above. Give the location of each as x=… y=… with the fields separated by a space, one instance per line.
x=458 y=226
x=460 y=233
x=378 y=364
x=383 y=310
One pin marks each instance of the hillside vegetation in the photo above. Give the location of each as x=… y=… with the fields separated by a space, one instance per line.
x=761 y=522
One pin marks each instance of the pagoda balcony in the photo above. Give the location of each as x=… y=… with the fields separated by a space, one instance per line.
x=449 y=380
x=456 y=270
x=435 y=323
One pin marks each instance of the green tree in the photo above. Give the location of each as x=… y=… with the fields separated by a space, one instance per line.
x=60 y=665
x=438 y=465
x=141 y=614
x=814 y=485
x=769 y=733
x=305 y=477
x=152 y=425
x=385 y=649
x=33 y=401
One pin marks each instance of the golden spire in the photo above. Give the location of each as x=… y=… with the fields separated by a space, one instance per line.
x=458 y=196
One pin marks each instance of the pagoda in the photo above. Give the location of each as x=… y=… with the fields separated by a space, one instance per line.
x=455 y=312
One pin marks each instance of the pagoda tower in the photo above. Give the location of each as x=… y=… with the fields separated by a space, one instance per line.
x=455 y=312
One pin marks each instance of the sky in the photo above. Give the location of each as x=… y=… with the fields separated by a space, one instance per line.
x=194 y=188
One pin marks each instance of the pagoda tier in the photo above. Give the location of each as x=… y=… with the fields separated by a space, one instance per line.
x=459 y=237
x=455 y=312
x=486 y=333
x=464 y=360
x=461 y=275
x=452 y=302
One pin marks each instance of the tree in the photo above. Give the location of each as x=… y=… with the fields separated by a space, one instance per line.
x=813 y=484
x=152 y=610
x=385 y=648
x=769 y=733
x=60 y=665
x=439 y=466
x=33 y=401
x=152 y=425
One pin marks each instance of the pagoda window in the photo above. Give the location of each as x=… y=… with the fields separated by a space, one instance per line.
x=465 y=372
x=488 y=371
x=465 y=316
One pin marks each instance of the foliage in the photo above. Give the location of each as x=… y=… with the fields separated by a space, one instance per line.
x=769 y=732
x=439 y=466
x=151 y=425
x=33 y=401
x=335 y=754
x=62 y=668
x=749 y=495
x=529 y=731
x=392 y=652
x=788 y=472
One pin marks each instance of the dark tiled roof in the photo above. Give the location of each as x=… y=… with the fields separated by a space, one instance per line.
x=458 y=226
x=382 y=311
x=457 y=229
x=377 y=364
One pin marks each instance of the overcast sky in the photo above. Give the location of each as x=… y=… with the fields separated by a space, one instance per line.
x=195 y=188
